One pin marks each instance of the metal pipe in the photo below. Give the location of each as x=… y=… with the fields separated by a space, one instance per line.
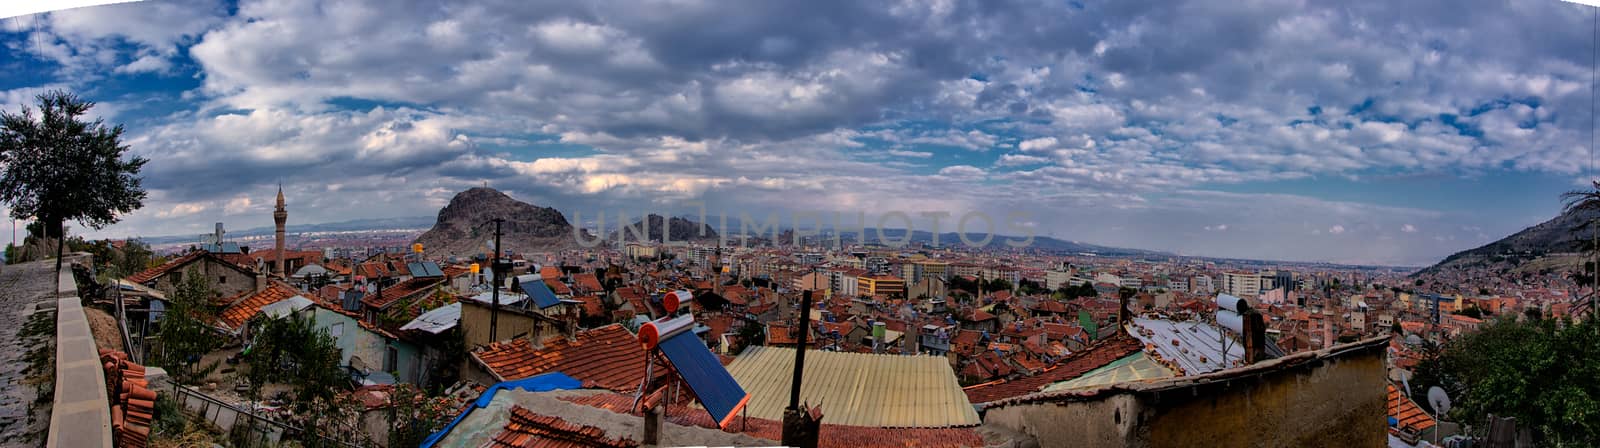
x=800 y=350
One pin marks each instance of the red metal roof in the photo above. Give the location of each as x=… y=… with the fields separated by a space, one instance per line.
x=609 y=357
x=1097 y=355
x=527 y=429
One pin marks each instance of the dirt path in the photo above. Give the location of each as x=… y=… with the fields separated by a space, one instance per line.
x=26 y=348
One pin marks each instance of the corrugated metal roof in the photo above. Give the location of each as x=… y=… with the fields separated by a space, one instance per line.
x=286 y=306
x=1135 y=367
x=437 y=320
x=857 y=389
x=1200 y=348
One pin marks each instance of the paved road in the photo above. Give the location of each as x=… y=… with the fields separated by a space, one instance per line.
x=22 y=288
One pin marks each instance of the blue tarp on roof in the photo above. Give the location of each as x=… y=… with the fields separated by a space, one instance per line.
x=711 y=383
x=537 y=383
x=541 y=294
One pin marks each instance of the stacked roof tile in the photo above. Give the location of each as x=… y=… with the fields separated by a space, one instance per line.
x=133 y=404
x=527 y=429
x=234 y=316
x=609 y=357
x=1093 y=357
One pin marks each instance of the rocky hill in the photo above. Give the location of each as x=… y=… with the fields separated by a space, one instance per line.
x=461 y=229
x=675 y=228
x=1549 y=240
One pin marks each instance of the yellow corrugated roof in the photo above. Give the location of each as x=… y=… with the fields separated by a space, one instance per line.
x=893 y=391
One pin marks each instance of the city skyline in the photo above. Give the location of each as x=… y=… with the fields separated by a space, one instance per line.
x=1370 y=134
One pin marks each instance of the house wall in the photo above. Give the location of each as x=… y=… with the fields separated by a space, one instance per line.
x=1335 y=402
x=475 y=325
x=224 y=281
x=353 y=340
x=407 y=362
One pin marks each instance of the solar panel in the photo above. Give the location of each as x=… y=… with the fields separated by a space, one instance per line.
x=536 y=289
x=433 y=269
x=711 y=383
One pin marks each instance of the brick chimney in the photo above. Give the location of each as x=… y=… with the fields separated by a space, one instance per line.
x=1255 y=338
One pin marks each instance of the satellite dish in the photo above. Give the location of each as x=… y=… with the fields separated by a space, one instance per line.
x=1439 y=400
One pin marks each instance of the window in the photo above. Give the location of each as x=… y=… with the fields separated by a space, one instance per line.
x=391 y=360
x=221 y=279
x=177 y=277
x=336 y=330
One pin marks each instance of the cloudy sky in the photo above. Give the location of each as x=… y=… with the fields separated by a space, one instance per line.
x=1366 y=132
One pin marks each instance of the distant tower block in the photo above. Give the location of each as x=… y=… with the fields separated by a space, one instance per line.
x=280 y=216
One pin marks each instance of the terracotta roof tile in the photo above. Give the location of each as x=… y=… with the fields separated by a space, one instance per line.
x=1100 y=354
x=527 y=429
x=609 y=357
x=234 y=316
x=592 y=306
x=1407 y=413
x=400 y=290
x=586 y=281
x=557 y=287
x=132 y=400
x=152 y=273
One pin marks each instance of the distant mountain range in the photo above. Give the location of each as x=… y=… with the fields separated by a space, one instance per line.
x=354 y=225
x=1550 y=244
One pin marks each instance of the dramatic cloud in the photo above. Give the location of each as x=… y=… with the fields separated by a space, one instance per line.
x=1109 y=120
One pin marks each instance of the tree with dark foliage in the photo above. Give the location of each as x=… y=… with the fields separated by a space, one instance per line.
x=60 y=168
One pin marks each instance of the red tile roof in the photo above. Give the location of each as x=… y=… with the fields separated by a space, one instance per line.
x=830 y=436
x=586 y=281
x=234 y=316
x=527 y=429
x=609 y=357
x=592 y=306
x=249 y=259
x=1097 y=355
x=395 y=292
x=557 y=287
x=1407 y=412
x=152 y=273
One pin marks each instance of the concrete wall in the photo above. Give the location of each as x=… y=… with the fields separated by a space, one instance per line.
x=1333 y=402
x=81 y=416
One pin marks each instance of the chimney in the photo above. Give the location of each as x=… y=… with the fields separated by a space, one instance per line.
x=1122 y=312
x=261 y=280
x=1255 y=338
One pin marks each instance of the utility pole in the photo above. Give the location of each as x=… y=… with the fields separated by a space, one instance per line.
x=494 y=308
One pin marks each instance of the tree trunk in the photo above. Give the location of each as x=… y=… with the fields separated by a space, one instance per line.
x=61 y=242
